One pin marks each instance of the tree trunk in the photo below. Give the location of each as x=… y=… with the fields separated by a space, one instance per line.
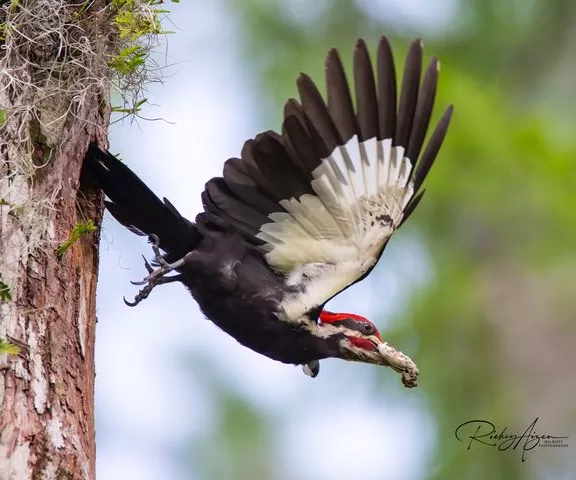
x=47 y=391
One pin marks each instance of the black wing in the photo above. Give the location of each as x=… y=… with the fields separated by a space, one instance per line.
x=322 y=199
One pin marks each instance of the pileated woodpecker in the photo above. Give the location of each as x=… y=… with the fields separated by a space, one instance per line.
x=301 y=216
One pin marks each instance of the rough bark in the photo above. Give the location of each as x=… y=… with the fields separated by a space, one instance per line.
x=47 y=392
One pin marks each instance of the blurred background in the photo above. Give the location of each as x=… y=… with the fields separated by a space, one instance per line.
x=478 y=287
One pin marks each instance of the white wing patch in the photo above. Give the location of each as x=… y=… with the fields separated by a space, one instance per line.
x=328 y=241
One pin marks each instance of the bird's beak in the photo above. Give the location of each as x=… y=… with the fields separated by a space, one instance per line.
x=374 y=350
x=400 y=362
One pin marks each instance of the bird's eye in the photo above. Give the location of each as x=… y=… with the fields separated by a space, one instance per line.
x=367 y=328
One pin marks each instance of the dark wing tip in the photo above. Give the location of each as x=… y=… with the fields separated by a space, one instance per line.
x=292 y=107
x=339 y=99
x=387 y=89
x=416 y=47
x=332 y=55
x=324 y=134
x=304 y=82
x=384 y=44
x=365 y=90
x=409 y=93
x=360 y=44
x=432 y=148
x=424 y=106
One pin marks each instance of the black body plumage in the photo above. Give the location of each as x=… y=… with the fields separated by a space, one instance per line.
x=229 y=279
x=336 y=175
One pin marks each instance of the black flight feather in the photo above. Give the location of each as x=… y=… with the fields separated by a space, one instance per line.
x=275 y=165
x=339 y=99
x=409 y=94
x=365 y=90
x=253 y=169
x=412 y=204
x=324 y=135
x=426 y=97
x=246 y=188
x=301 y=145
x=432 y=148
x=387 y=90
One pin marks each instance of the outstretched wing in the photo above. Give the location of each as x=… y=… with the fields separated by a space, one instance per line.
x=322 y=199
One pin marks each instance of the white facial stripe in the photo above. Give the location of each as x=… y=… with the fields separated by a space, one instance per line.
x=325 y=330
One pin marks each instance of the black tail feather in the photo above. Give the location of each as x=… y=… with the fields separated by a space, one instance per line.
x=136 y=207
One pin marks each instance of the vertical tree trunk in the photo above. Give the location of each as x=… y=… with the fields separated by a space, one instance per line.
x=47 y=392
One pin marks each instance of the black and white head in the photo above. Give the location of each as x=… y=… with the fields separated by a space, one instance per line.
x=359 y=340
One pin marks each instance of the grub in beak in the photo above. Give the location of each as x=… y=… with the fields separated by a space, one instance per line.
x=401 y=363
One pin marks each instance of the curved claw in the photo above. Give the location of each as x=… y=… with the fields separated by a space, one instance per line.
x=130 y=304
x=155 y=277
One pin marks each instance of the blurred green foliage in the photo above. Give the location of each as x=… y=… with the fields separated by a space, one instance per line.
x=493 y=331
x=238 y=446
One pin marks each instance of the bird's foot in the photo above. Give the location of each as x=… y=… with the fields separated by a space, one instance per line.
x=155 y=277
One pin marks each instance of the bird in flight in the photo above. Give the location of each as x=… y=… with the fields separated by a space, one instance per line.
x=301 y=215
